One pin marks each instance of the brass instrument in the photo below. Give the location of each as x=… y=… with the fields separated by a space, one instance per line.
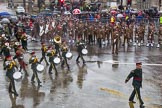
x=57 y=39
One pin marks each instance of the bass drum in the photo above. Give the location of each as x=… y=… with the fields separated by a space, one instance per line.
x=40 y=68
x=84 y=51
x=69 y=55
x=17 y=76
x=57 y=60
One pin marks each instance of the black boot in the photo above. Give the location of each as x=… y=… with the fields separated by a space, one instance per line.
x=142 y=106
x=16 y=94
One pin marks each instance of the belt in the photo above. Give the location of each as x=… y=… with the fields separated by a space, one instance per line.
x=137 y=78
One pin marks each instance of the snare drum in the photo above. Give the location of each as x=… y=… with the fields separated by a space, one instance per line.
x=17 y=76
x=69 y=55
x=57 y=60
x=40 y=68
x=84 y=51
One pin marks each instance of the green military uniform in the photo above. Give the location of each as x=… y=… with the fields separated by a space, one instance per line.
x=10 y=66
x=34 y=62
x=137 y=84
x=52 y=54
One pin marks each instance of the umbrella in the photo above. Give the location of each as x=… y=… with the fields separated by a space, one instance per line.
x=134 y=11
x=4 y=14
x=113 y=12
x=119 y=16
x=76 y=11
x=5 y=20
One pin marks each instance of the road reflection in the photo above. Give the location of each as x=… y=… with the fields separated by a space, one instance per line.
x=13 y=102
x=82 y=71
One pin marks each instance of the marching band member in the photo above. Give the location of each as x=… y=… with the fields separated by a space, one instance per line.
x=150 y=37
x=24 y=41
x=44 y=51
x=115 y=40
x=57 y=42
x=126 y=32
x=34 y=61
x=6 y=52
x=160 y=36
x=64 y=50
x=80 y=45
x=52 y=54
x=19 y=55
x=10 y=66
x=15 y=46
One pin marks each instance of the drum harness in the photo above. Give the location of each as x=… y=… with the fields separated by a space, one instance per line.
x=11 y=64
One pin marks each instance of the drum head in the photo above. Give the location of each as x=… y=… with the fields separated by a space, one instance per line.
x=17 y=75
x=84 y=51
x=57 y=60
x=69 y=55
x=40 y=67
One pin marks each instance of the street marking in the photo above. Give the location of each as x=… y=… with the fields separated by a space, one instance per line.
x=120 y=94
x=114 y=92
x=147 y=99
x=118 y=62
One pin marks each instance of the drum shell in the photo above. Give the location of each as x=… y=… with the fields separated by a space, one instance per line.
x=40 y=71
x=19 y=79
x=84 y=51
x=55 y=60
x=69 y=58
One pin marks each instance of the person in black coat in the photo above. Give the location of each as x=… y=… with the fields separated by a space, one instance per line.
x=24 y=41
x=80 y=45
x=10 y=67
x=64 y=50
x=6 y=52
x=44 y=51
x=34 y=62
x=52 y=54
x=137 y=83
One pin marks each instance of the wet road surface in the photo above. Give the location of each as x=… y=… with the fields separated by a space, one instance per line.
x=97 y=84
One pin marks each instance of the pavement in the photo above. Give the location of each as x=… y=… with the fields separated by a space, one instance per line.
x=94 y=85
x=98 y=84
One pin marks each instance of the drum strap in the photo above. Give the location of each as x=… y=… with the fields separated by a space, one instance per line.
x=10 y=66
x=35 y=60
x=53 y=53
x=44 y=49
